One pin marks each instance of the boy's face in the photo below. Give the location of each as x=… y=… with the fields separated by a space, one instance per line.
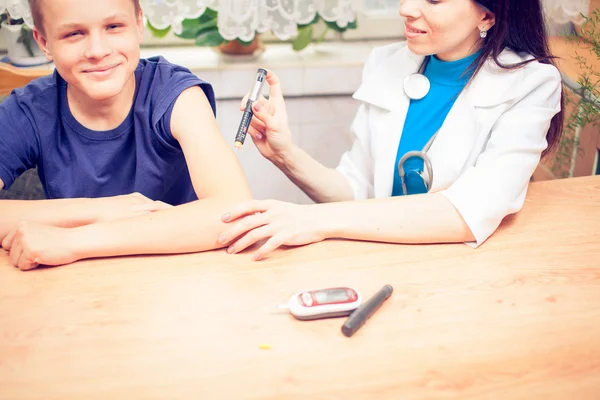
x=95 y=44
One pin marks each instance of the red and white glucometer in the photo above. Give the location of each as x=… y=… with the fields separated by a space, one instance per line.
x=324 y=303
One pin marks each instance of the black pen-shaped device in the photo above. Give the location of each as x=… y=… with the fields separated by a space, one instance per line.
x=366 y=310
x=261 y=76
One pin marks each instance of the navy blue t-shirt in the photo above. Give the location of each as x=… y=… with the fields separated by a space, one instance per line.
x=140 y=155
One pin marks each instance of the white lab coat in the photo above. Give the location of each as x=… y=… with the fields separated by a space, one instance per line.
x=485 y=152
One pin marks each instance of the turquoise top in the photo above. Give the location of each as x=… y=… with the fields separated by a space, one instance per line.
x=426 y=116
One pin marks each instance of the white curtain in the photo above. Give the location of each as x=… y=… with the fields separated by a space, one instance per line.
x=557 y=11
x=242 y=18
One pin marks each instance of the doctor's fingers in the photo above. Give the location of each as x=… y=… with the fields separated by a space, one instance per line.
x=244 y=101
x=248 y=207
x=261 y=99
x=270 y=246
x=250 y=238
x=272 y=123
x=275 y=92
x=257 y=124
x=256 y=134
x=243 y=226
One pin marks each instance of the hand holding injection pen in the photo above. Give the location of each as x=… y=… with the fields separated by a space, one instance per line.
x=247 y=115
x=268 y=123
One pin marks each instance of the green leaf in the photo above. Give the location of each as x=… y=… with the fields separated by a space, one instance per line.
x=197 y=26
x=194 y=27
x=333 y=25
x=304 y=38
x=210 y=38
x=159 y=33
x=209 y=14
x=315 y=20
x=246 y=44
x=26 y=39
x=321 y=37
x=189 y=29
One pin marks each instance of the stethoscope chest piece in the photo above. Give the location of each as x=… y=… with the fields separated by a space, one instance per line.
x=416 y=86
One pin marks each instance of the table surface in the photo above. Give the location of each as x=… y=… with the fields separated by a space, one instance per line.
x=517 y=318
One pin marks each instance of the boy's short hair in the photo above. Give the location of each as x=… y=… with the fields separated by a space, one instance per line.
x=36 y=11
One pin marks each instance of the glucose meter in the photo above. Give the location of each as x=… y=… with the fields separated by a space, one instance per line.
x=324 y=303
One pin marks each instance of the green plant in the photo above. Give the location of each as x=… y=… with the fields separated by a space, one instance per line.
x=306 y=32
x=205 y=32
x=5 y=18
x=586 y=104
x=25 y=35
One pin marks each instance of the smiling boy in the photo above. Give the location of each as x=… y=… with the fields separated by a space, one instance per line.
x=116 y=140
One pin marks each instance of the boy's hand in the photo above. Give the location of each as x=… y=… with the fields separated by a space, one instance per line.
x=30 y=244
x=125 y=206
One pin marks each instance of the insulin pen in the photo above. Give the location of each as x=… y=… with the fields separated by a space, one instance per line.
x=242 y=131
x=365 y=311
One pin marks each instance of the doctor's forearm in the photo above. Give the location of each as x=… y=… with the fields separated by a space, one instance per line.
x=321 y=184
x=428 y=218
x=191 y=227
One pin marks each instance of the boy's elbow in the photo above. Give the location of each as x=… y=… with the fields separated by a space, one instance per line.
x=245 y=193
x=239 y=191
x=237 y=194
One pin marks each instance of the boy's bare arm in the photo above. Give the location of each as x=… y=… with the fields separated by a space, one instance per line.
x=66 y=213
x=69 y=213
x=218 y=180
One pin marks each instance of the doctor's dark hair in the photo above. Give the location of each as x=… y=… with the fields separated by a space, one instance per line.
x=520 y=27
x=37 y=12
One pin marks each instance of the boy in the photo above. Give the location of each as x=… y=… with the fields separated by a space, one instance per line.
x=105 y=127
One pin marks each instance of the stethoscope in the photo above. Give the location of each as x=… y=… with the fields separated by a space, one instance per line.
x=416 y=86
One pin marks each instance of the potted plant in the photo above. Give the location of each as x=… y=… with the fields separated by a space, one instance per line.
x=579 y=149
x=22 y=48
x=204 y=31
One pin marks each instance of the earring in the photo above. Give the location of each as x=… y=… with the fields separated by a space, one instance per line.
x=483 y=33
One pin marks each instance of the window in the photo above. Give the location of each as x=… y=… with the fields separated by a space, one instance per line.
x=379 y=19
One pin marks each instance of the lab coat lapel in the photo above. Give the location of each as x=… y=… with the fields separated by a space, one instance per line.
x=453 y=143
x=384 y=89
x=466 y=129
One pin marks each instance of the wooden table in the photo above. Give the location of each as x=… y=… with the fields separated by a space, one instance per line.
x=518 y=318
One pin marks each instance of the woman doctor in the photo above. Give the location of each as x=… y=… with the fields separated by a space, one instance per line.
x=451 y=127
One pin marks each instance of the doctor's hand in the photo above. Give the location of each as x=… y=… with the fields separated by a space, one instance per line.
x=30 y=244
x=283 y=224
x=269 y=127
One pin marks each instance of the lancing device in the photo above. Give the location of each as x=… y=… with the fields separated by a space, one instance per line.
x=365 y=311
x=242 y=131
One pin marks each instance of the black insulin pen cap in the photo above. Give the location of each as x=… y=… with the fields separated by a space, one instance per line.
x=365 y=311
